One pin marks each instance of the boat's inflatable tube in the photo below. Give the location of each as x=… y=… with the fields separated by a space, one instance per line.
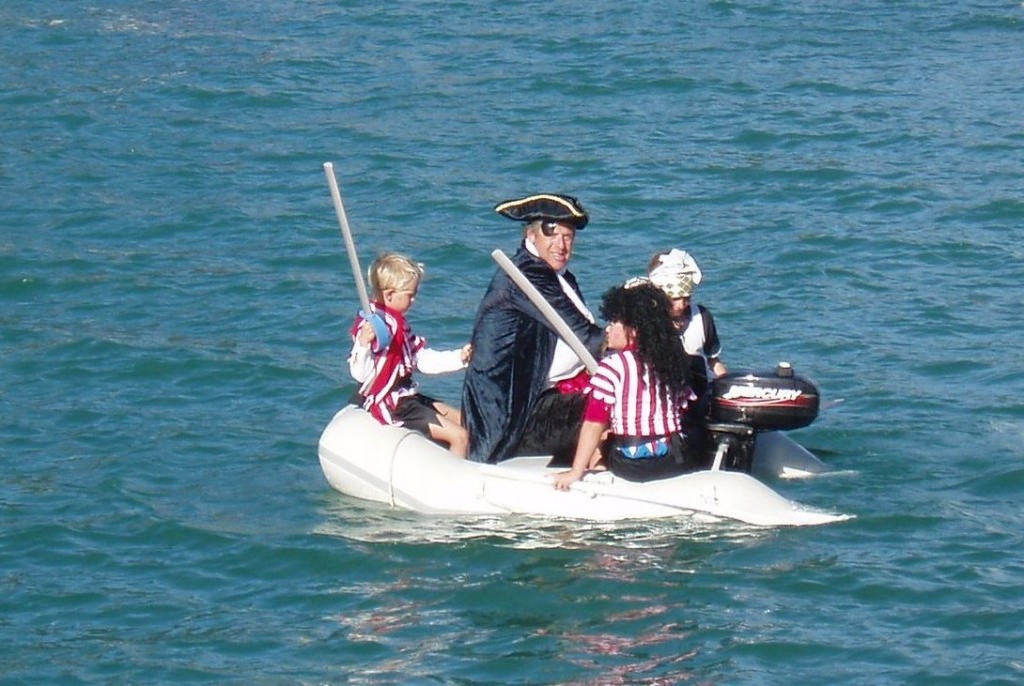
x=388 y=464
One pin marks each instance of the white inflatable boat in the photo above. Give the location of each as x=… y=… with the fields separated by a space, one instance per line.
x=404 y=469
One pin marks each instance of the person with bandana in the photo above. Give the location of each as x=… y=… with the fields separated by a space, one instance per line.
x=676 y=273
x=522 y=393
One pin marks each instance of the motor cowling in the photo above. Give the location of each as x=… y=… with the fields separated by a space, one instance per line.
x=777 y=400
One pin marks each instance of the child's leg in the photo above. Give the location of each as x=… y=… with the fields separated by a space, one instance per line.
x=446 y=411
x=455 y=435
x=450 y=431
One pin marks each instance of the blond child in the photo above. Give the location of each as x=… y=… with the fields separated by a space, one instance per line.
x=385 y=352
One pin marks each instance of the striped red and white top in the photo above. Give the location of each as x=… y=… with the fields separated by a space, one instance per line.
x=386 y=376
x=632 y=398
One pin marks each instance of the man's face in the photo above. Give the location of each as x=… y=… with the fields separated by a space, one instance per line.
x=554 y=243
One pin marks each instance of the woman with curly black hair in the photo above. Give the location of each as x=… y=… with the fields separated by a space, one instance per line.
x=639 y=394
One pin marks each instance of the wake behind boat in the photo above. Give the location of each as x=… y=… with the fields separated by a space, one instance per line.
x=365 y=459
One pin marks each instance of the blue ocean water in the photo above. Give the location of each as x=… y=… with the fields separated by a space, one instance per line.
x=174 y=300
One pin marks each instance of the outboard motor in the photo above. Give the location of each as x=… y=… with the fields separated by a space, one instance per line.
x=743 y=403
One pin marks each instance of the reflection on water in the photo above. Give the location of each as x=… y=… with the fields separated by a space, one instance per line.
x=600 y=603
x=370 y=522
x=641 y=666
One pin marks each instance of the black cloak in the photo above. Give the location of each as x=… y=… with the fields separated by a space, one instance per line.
x=513 y=346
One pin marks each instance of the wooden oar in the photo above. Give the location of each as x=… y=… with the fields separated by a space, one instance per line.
x=556 y=321
x=346 y=234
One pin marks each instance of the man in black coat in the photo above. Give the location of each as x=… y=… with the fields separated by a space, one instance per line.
x=521 y=387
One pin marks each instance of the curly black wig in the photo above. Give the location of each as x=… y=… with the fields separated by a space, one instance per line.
x=647 y=310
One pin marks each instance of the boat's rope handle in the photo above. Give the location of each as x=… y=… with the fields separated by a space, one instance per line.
x=391 y=466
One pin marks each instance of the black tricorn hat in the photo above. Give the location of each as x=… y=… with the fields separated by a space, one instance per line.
x=552 y=206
